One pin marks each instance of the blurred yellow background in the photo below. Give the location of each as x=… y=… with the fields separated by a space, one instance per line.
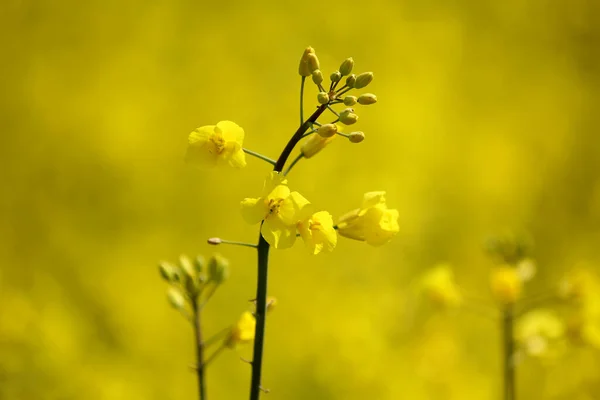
x=487 y=121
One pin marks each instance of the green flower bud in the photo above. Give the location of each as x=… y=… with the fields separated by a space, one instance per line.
x=187 y=267
x=323 y=98
x=335 y=76
x=317 y=76
x=304 y=67
x=350 y=100
x=356 y=137
x=167 y=271
x=327 y=130
x=175 y=298
x=363 y=80
x=347 y=66
x=350 y=80
x=218 y=268
x=313 y=62
x=200 y=267
x=367 y=98
x=347 y=117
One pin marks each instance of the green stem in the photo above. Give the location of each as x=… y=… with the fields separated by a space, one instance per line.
x=214 y=355
x=263 y=267
x=302 y=100
x=333 y=111
x=287 y=171
x=509 y=352
x=211 y=340
x=236 y=243
x=199 y=349
x=258 y=155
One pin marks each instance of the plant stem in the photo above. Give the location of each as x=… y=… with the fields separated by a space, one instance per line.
x=509 y=352
x=263 y=267
x=258 y=155
x=302 y=100
x=287 y=171
x=199 y=349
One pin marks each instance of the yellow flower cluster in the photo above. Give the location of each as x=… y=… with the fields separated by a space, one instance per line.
x=439 y=286
x=283 y=213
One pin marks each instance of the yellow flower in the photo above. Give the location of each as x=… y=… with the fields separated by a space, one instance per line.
x=242 y=331
x=314 y=144
x=219 y=144
x=373 y=222
x=278 y=208
x=317 y=232
x=439 y=285
x=506 y=284
x=536 y=330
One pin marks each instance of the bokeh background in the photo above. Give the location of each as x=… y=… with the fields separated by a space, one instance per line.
x=487 y=122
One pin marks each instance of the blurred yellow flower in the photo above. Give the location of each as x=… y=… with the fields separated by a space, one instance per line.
x=440 y=286
x=214 y=145
x=373 y=222
x=506 y=284
x=318 y=232
x=535 y=331
x=314 y=144
x=278 y=208
x=242 y=331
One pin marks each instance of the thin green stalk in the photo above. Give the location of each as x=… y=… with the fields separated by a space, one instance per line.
x=509 y=352
x=199 y=350
x=263 y=267
x=258 y=155
x=214 y=338
x=287 y=171
x=302 y=100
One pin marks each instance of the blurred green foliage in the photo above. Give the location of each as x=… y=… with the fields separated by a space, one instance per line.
x=487 y=120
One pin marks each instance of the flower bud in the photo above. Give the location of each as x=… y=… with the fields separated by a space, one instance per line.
x=187 y=267
x=506 y=285
x=323 y=98
x=351 y=80
x=168 y=271
x=317 y=76
x=214 y=241
x=218 y=268
x=313 y=62
x=349 y=100
x=327 y=130
x=175 y=298
x=356 y=137
x=304 y=68
x=199 y=266
x=367 y=98
x=335 y=76
x=347 y=66
x=363 y=80
x=347 y=117
x=314 y=144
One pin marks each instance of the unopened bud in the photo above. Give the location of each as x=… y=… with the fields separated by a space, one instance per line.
x=506 y=284
x=214 y=241
x=347 y=117
x=314 y=144
x=317 y=76
x=218 y=268
x=356 y=137
x=351 y=80
x=304 y=68
x=323 y=98
x=327 y=130
x=167 y=271
x=313 y=62
x=335 y=76
x=347 y=66
x=363 y=80
x=175 y=298
x=199 y=266
x=367 y=98
x=186 y=266
x=350 y=100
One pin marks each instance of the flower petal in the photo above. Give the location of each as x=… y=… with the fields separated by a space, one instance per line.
x=238 y=159
x=254 y=210
x=231 y=132
x=278 y=234
x=201 y=135
x=371 y=199
x=273 y=180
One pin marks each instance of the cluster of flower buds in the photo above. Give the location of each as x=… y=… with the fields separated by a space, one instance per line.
x=188 y=279
x=338 y=93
